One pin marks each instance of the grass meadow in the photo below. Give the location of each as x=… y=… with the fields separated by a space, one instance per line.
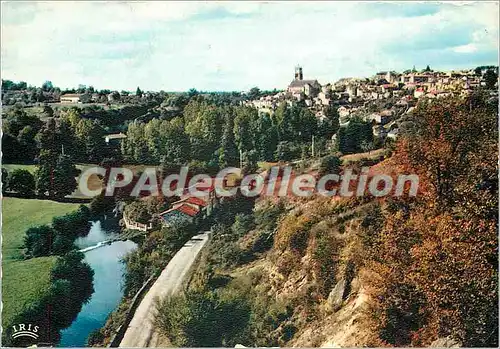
x=24 y=281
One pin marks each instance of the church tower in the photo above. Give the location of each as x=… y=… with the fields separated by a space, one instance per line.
x=298 y=73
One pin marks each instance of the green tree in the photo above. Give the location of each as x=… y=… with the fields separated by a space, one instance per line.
x=134 y=147
x=266 y=138
x=47 y=137
x=5 y=182
x=254 y=93
x=329 y=125
x=353 y=135
x=17 y=118
x=38 y=241
x=306 y=125
x=167 y=141
x=138 y=92
x=47 y=86
x=329 y=164
x=490 y=78
x=64 y=176
x=71 y=267
x=287 y=151
x=90 y=139
x=204 y=126
x=27 y=142
x=228 y=151
x=243 y=128
x=22 y=182
x=55 y=175
x=66 y=139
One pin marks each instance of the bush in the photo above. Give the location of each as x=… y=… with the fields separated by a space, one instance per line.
x=138 y=211
x=38 y=241
x=243 y=223
x=5 y=181
x=287 y=151
x=326 y=257
x=22 y=182
x=267 y=217
x=96 y=337
x=329 y=165
x=293 y=233
x=224 y=251
x=203 y=318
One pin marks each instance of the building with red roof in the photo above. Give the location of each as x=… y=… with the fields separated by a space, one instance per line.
x=183 y=212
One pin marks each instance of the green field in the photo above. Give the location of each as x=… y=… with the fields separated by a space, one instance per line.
x=32 y=168
x=20 y=214
x=24 y=281
x=12 y=167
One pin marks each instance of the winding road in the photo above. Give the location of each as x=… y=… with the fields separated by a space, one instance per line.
x=141 y=331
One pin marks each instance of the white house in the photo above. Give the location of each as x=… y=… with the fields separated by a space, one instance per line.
x=70 y=98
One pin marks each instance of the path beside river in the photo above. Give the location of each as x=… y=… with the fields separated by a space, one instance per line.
x=141 y=331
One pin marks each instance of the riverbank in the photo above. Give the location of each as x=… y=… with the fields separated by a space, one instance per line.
x=106 y=262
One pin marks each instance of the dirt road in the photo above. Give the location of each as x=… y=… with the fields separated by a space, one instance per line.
x=141 y=331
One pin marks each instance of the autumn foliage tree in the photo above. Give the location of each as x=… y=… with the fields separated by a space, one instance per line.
x=436 y=260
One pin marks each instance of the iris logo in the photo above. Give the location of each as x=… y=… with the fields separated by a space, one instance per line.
x=25 y=330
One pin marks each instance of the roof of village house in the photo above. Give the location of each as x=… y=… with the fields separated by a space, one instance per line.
x=189 y=210
x=186 y=209
x=192 y=200
x=302 y=83
x=71 y=95
x=196 y=201
x=116 y=136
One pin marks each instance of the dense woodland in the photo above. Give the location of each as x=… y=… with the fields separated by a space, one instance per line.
x=206 y=131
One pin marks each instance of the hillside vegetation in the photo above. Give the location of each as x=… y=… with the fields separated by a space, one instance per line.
x=362 y=271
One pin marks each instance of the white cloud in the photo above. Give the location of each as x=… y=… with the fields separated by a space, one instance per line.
x=469 y=48
x=228 y=45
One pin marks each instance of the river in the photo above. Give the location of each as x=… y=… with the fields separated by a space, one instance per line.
x=108 y=280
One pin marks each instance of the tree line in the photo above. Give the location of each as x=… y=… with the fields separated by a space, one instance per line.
x=58 y=238
x=217 y=135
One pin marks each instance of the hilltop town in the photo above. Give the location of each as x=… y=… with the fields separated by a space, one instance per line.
x=382 y=98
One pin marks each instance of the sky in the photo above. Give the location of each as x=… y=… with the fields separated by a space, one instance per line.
x=233 y=46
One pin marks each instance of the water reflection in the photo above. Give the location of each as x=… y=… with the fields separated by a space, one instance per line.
x=98 y=232
x=108 y=275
